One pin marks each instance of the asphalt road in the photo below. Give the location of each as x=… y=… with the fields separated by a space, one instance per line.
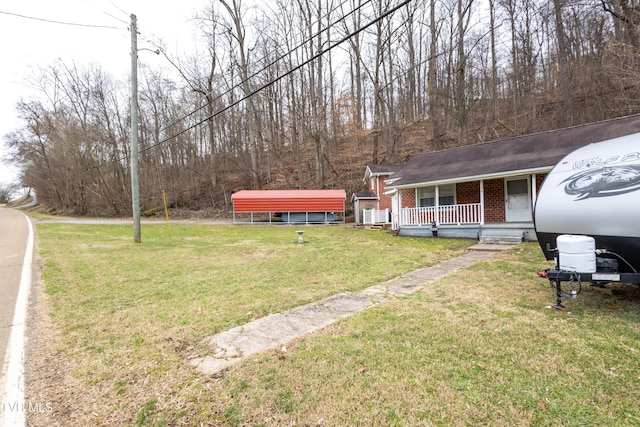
x=15 y=232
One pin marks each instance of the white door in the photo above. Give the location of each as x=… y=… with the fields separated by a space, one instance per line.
x=518 y=200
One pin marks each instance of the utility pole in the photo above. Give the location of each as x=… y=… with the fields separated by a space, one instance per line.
x=135 y=191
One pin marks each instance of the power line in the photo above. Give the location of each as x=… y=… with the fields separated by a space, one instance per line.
x=272 y=63
x=280 y=77
x=50 y=21
x=275 y=80
x=107 y=13
x=118 y=7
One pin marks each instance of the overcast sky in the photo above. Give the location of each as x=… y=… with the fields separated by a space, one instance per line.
x=29 y=44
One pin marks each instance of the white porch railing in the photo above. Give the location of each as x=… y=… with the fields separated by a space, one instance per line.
x=375 y=216
x=448 y=214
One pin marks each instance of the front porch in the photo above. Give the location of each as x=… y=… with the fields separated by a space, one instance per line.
x=470 y=213
x=459 y=221
x=461 y=214
x=492 y=232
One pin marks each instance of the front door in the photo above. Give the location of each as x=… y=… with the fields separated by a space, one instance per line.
x=518 y=200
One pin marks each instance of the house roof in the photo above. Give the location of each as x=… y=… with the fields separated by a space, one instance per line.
x=525 y=154
x=380 y=170
x=289 y=200
x=364 y=195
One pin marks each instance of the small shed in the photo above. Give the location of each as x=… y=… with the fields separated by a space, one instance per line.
x=289 y=206
x=364 y=200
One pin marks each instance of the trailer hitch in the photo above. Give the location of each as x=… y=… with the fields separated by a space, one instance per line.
x=570 y=291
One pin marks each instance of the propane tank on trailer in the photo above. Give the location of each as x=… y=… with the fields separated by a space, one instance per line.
x=576 y=253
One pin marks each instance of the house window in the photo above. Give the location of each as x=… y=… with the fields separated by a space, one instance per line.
x=446 y=195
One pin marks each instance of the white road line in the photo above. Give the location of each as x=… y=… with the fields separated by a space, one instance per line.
x=13 y=404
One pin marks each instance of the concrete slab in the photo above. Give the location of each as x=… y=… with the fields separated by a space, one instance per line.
x=492 y=247
x=272 y=332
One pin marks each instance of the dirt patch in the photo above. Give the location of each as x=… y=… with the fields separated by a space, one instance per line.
x=47 y=381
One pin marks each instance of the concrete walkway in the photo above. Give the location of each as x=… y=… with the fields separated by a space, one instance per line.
x=272 y=332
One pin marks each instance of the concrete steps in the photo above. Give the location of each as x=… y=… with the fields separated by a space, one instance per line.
x=377 y=227
x=501 y=237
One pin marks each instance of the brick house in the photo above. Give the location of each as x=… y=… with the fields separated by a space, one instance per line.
x=376 y=197
x=485 y=191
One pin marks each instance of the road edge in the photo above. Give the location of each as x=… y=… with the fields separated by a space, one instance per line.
x=13 y=399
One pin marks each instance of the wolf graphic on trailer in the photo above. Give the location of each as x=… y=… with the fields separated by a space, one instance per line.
x=587 y=216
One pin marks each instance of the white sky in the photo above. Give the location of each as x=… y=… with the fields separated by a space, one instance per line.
x=29 y=44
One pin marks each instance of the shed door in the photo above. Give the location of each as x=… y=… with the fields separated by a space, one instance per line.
x=518 y=200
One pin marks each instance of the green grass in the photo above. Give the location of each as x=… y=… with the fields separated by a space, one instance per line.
x=207 y=279
x=129 y=313
x=478 y=347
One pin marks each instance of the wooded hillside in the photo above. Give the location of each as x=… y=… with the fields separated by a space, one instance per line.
x=303 y=94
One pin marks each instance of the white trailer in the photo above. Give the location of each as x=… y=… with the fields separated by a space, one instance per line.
x=593 y=193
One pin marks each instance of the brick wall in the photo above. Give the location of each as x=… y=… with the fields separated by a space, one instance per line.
x=539 y=180
x=385 y=201
x=494 y=200
x=408 y=198
x=379 y=187
x=468 y=192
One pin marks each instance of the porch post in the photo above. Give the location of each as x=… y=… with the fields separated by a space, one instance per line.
x=416 y=197
x=482 y=202
x=534 y=192
x=400 y=219
x=437 y=205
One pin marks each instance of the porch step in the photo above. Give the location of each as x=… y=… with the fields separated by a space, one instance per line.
x=500 y=240
x=491 y=247
x=501 y=237
x=377 y=227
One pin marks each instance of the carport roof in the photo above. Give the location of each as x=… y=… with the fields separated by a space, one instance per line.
x=289 y=201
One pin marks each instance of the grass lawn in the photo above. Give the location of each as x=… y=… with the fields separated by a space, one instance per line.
x=475 y=348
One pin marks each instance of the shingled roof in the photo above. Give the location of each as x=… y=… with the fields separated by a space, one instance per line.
x=525 y=154
x=380 y=170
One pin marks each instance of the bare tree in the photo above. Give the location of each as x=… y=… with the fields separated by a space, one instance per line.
x=626 y=14
x=266 y=105
x=563 y=63
x=356 y=61
x=461 y=90
x=433 y=90
x=234 y=10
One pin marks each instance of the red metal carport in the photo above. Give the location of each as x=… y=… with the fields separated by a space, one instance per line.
x=286 y=202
